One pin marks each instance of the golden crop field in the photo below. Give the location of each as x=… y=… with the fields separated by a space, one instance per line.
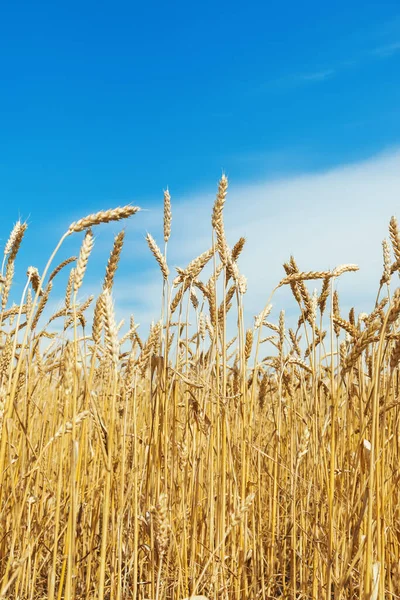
x=259 y=467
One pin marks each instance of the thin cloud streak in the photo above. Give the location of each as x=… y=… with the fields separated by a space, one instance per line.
x=387 y=51
x=317 y=76
x=384 y=51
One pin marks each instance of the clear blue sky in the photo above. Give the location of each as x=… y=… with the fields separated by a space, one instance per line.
x=115 y=100
x=103 y=103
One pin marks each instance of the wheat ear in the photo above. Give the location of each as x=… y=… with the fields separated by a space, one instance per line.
x=103 y=216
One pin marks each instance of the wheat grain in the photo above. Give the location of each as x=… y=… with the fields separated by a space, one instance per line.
x=113 y=261
x=160 y=258
x=395 y=237
x=15 y=240
x=86 y=249
x=194 y=268
x=167 y=215
x=386 y=263
x=7 y=284
x=344 y=269
x=110 y=329
x=34 y=278
x=41 y=305
x=104 y=216
x=217 y=219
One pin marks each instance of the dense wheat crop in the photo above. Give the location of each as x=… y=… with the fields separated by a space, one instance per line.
x=263 y=466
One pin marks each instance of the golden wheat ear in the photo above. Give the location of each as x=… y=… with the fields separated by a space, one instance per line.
x=103 y=216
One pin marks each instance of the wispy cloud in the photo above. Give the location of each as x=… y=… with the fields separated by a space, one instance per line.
x=324 y=219
x=293 y=80
x=353 y=60
x=387 y=50
x=317 y=76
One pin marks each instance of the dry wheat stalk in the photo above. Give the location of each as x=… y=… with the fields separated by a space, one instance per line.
x=68 y=369
x=295 y=342
x=68 y=291
x=218 y=222
x=28 y=302
x=167 y=215
x=242 y=284
x=336 y=312
x=291 y=268
x=395 y=354
x=41 y=305
x=67 y=428
x=63 y=312
x=344 y=269
x=324 y=295
x=395 y=237
x=209 y=326
x=314 y=305
x=5 y=358
x=364 y=339
x=7 y=284
x=377 y=312
x=395 y=267
x=304 y=293
x=303 y=276
x=304 y=446
x=223 y=308
x=212 y=305
x=162 y=525
x=103 y=216
x=79 y=313
x=13 y=237
x=193 y=299
x=14 y=310
x=248 y=346
x=113 y=261
x=386 y=263
x=238 y=515
x=61 y=266
x=177 y=299
x=202 y=326
x=394 y=309
x=129 y=335
x=237 y=248
x=319 y=338
x=34 y=278
x=194 y=268
x=301 y=363
x=86 y=248
x=260 y=318
x=148 y=347
x=281 y=330
x=160 y=258
x=349 y=327
x=110 y=329
x=292 y=424
x=15 y=242
x=271 y=326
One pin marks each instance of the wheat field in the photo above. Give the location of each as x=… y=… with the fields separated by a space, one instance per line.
x=184 y=462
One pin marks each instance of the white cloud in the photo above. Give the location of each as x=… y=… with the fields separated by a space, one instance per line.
x=323 y=219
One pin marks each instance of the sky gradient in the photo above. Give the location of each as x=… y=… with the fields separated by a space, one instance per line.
x=108 y=103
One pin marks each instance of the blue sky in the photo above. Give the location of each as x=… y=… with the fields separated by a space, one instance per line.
x=107 y=103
